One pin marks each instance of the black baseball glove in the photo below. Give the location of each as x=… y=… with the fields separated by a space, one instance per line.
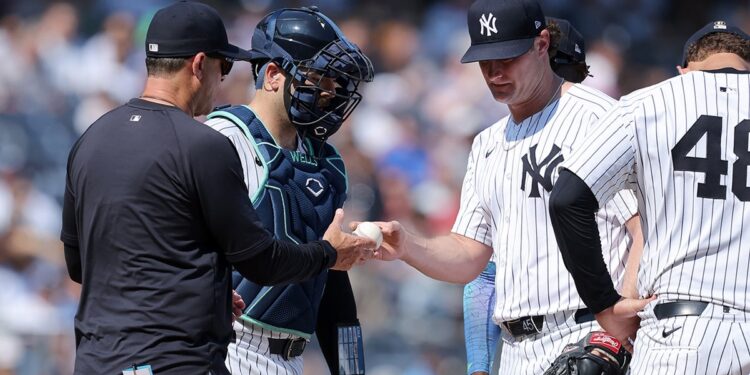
x=596 y=354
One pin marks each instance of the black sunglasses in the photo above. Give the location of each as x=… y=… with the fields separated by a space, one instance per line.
x=226 y=63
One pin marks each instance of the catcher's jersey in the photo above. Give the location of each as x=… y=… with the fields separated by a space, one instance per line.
x=682 y=145
x=504 y=204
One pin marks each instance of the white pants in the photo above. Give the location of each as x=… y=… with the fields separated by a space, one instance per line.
x=249 y=353
x=716 y=342
x=534 y=354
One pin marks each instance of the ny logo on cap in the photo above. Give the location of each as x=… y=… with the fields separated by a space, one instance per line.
x=484 y=24
x=720 y=25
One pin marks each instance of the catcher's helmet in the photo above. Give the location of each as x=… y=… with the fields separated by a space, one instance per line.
x=310 y=48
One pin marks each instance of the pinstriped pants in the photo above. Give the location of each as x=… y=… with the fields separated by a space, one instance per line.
x=717 y=342
x=534 y=354
x=249 y=353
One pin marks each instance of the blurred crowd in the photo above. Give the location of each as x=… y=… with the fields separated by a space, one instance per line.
x=66 y=63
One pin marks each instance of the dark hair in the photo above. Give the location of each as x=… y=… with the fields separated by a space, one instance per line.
x=554 y=37
x=572 y=72
x=718 y=43
x=164 y=66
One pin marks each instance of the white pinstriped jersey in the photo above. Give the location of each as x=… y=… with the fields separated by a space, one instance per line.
x=504 y=204
x=683 y=146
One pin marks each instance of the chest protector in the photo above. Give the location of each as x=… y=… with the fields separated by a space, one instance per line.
x=296 y=200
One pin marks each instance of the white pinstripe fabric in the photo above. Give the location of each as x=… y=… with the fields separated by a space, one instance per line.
x=714 y=343
x=249 y=353
x=696 y=247
x=499 y=212
x=499 y=209
x=535 y=354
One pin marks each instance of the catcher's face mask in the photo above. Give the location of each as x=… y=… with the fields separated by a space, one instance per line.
x=321 y=92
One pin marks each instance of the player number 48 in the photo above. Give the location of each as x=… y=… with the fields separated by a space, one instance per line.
x=712 y=165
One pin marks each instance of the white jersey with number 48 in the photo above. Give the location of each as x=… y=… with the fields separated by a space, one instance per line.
x=683 y=146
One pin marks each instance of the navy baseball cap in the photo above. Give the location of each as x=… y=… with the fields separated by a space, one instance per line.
x=571 y=41
x=188 y=27
x=710 y=28
x=502 y=29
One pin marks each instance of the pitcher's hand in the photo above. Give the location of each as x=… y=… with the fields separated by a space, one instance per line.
x=351 y=249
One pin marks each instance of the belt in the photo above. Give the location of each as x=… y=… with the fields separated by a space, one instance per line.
x=287 y=348
x=531 y=325
x=679 y=308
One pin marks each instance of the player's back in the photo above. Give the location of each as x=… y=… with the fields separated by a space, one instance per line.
x=691 y=162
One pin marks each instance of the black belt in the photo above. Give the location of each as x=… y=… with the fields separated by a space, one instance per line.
x=287 y=348
x=530 y=325
x=679 y=308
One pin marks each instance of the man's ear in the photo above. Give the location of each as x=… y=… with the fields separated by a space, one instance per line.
x=198 y=65
x=682 y=70
x=273 y=77
x=542 y=43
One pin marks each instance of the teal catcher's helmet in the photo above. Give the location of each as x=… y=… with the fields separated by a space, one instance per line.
x=309 y=48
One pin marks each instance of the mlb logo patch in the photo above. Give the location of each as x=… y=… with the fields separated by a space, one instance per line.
x=135 y=118
x=153 y=47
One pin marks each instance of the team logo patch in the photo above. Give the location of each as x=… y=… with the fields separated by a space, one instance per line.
x=314 y=186
x=604 y=339
x=487 y=24
x=540 y=171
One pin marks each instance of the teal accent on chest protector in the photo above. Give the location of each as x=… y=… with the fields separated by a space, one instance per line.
x=296 y=201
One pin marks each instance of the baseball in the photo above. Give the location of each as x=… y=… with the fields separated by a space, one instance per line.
x=369 y=230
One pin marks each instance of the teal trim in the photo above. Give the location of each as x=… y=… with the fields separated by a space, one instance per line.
x=275 y=142
x=262 y=183
x=338 y=156
x=257 y=299
x=305 y=336
x=346 y=177
x=310 y=148
x=284 y=211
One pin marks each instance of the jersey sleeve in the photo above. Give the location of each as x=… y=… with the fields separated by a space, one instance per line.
x=69 y=232
x=473 y=219
x=607 y=164
x=622 y=206
x=253 y=173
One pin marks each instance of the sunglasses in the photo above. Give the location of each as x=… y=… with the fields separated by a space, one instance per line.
x=226 y=63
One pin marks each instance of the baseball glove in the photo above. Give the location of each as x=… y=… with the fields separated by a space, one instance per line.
x=596 y=354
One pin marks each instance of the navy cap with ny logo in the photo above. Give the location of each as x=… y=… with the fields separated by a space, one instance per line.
x=502 y=29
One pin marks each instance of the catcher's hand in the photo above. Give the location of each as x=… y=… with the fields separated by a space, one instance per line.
x=597 y=353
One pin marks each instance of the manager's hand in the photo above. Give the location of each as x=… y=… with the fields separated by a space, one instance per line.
x=351 y=249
